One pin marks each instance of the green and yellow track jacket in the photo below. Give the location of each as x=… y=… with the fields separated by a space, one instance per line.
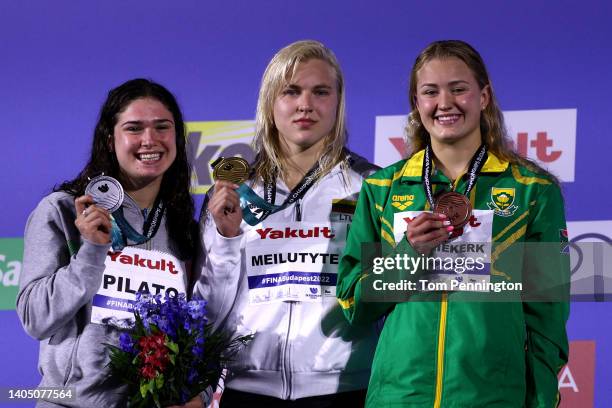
x=453 y=348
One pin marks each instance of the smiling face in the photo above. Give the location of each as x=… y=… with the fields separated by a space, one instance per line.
x=305 y=110
x=144 y=142
x=450 y=101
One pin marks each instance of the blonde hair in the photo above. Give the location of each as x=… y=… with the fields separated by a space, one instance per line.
x=492 y=127
x=278 y=73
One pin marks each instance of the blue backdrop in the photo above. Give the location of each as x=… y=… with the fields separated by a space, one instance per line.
x=58 y=60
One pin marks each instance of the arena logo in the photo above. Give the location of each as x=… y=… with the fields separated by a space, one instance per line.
x=11 y=255
x=577 y=378
x=206 y=141
x=546 y=136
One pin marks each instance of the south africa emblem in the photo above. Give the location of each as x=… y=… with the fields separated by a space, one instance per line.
x=502 y=201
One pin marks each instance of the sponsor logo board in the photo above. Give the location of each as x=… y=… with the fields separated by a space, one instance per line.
x=11 y=256
x=577 y=378
x=206 y=141
x=546 y=136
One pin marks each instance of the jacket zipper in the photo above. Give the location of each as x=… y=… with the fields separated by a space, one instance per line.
x=285 y=367
x=441 y=341
x=442 y=332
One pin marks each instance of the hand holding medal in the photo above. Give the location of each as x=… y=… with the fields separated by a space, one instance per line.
x=103 y=195
x=451 y=210
x=225 y=202
x=427 y=231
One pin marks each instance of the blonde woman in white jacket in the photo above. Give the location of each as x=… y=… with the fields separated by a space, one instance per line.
x=275 y=275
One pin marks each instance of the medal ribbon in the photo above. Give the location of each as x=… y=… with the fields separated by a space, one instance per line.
x=122 y=231
x=476 y=163
x=256 y=209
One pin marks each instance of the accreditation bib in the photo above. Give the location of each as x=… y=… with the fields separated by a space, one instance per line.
x=293 y=261
x=462 y=263
x=128 y=272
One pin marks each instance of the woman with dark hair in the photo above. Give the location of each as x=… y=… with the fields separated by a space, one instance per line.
x=76 y=252
x=467 y=335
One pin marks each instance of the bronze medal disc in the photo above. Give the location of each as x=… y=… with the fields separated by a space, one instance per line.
x=233 y=169
x=455 y=206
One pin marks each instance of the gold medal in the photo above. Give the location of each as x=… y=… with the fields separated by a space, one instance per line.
x=233 y=169
x=455 y=206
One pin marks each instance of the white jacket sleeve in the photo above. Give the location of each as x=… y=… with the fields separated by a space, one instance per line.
x=218 y=269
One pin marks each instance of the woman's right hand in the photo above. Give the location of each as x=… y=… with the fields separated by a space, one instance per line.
x=427 y=231
x=94 y=223
x=225 y=208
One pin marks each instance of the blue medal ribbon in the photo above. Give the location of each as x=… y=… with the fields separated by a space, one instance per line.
x=256 y=209
x=122 y=232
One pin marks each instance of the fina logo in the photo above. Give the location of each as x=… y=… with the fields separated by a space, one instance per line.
x=314 y=291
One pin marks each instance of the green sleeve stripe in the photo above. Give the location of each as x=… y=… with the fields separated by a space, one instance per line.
x=346 y=304
x=380 y=183
x=510 y=226
x=527 y=179
x=511 y=239
x=387 y=237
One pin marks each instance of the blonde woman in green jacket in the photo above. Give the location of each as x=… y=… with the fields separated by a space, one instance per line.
x=475 y=291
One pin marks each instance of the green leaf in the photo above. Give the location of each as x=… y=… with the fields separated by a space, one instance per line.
x=172 y=346
x=143 y=389
x=159 y=381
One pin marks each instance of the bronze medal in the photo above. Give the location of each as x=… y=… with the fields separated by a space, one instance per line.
x=455 y=206
x=233 y=169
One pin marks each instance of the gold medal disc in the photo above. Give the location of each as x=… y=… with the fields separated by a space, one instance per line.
x=233 y=169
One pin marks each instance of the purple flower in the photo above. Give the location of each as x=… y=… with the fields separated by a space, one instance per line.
x=192 y=376
x=196 y=309
x=126 y=343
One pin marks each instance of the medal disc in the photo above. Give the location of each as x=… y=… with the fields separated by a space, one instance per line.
x=455 y=206
x=233 y=169
x=106 y=192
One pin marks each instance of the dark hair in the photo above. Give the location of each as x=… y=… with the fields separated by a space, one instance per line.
x=492 y=127
x=174 y=189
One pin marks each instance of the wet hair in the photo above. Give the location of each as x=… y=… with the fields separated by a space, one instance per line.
x=492 y=127
x=174 y=190
x=278 y=74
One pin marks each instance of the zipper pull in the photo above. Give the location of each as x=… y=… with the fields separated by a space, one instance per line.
x=298 y=211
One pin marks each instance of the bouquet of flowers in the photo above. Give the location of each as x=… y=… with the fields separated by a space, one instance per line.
x=171 y=354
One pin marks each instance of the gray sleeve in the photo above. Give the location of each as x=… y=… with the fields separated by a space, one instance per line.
x=54 y=285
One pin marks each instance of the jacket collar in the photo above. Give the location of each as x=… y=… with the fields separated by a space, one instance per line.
x=413 y=168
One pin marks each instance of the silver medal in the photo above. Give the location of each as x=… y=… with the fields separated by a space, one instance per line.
x=106 y=192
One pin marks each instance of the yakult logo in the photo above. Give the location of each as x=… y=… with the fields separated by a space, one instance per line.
x=137 y=260
x=316 y=232
x=546 y=136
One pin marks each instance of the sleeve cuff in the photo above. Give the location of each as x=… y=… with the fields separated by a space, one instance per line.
x=92 y=253
x=227 y=247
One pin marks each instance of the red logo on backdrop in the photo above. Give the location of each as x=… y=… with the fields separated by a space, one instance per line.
x=577 y=378
x=541 y=143
x=400 y=145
